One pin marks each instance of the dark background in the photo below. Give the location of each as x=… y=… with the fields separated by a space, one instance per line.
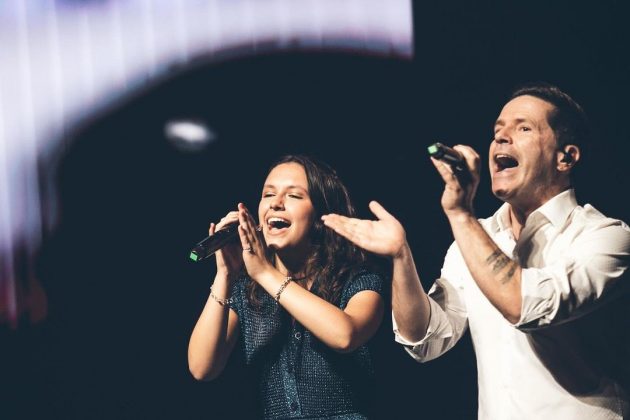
x=123 y=295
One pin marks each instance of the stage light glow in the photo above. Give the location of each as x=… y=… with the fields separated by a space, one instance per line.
x=189 y=135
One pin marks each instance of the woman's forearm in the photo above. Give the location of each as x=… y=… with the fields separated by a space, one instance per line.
x=214 y=335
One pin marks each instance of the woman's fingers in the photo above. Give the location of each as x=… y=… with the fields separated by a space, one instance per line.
x=231 y=217
x=247 y=230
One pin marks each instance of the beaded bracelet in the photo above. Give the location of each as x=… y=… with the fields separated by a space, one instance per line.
x=220 y=301
x=282 y=286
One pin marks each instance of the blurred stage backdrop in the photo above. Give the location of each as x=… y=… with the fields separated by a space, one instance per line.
x=126 y=126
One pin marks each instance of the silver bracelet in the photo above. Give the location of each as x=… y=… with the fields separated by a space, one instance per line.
x=282 y=286
x=220 y=301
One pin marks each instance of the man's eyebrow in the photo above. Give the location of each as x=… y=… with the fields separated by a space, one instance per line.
x=500 y=122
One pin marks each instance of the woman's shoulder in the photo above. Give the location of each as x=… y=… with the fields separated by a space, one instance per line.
x=365 y=275
x=362 y=279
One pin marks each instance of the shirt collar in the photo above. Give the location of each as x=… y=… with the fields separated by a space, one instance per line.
x=556 y=210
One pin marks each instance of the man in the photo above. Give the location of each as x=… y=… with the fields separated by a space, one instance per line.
x=536 y=282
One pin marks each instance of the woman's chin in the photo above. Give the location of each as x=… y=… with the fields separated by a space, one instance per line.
x=275 y=244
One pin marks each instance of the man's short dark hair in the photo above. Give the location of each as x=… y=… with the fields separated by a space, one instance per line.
x=568 y=120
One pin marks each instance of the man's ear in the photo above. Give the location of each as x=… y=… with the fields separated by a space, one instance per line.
x=568 y=156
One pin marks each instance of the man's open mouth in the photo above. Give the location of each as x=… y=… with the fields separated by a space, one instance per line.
x=505 y=161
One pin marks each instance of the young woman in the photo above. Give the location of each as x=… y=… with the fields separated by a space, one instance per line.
x=296 y=298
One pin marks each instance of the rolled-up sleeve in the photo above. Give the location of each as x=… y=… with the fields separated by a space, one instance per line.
x=449 y=318
x=588 y=274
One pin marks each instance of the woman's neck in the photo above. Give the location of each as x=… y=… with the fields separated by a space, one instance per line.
x=291 y=265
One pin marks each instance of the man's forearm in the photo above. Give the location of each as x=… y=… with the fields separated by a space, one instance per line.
x=410 y=303
x=498 y=277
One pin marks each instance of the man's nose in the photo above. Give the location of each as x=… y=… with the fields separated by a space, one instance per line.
x=502 y=136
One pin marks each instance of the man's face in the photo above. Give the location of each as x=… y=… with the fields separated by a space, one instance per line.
x=523 y=154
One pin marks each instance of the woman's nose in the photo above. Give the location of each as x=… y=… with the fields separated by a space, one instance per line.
x=277 y=203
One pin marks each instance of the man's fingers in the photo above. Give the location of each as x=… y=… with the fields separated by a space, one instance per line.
x=354 y=230
x=334 y=221
x=470 y=155
x=444 y=170
x=340 y=224
x=379 y=211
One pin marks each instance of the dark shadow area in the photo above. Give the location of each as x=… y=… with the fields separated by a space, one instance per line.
x=123 y=295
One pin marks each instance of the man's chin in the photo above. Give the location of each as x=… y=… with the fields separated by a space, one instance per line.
x=502 y=194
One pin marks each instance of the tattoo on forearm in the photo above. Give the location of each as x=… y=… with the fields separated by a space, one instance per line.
x=499 y=261
x=496 y=254
x=508 y=276
x=500 y=264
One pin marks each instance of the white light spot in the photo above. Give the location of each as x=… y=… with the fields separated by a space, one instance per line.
x=189 y=135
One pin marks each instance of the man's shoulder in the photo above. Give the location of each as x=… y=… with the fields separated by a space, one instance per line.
x=589 y=216
x=591 y=225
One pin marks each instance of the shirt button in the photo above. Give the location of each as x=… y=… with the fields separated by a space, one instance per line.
x=298 y=335
x=293 y=406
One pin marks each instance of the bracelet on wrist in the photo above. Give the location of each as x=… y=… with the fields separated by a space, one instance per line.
x=222 y=302
x=282 y=287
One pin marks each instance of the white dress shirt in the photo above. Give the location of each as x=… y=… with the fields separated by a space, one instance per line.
x=558 y=362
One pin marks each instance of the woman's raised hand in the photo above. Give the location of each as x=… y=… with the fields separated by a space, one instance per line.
x=229 y=258
x=253 y=243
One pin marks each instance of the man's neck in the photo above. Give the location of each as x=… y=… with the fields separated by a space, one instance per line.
x=517 y=221
x=520 y=212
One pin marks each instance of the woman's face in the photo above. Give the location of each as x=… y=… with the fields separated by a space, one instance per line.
x=286 y=212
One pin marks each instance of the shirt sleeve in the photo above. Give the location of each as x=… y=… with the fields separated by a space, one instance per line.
x=590 y=273
x=363 y=281
x=449 y=317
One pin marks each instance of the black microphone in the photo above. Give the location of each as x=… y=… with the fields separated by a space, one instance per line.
x=213 y=243
x=448 y=155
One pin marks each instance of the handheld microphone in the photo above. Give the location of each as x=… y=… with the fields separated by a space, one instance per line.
x=448 y=155
x=213 y=243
